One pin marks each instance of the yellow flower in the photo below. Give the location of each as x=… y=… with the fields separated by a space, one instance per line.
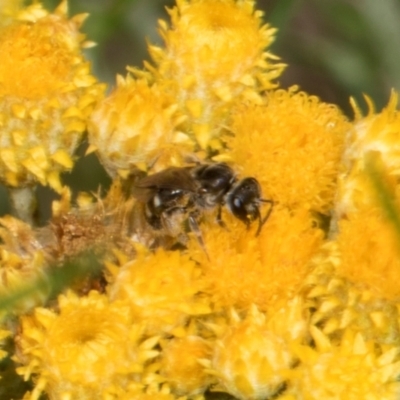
x=352 y=370
x=89 y=350
x=161 y=290
x=268 y=270
x=46 y=96
x=338 y=304
x=249 y=360
x=375 y=137
x=134 y=125
x=181 y=367
x=214 y=53
x=292 y=145
x=251 y=355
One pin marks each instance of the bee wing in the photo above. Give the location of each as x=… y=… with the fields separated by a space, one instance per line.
x=143 y=194
x=170 y=178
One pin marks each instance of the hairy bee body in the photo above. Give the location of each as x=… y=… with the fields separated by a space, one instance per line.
x=179 y=196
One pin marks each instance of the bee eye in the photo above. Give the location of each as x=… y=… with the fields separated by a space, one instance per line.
x=237 y=203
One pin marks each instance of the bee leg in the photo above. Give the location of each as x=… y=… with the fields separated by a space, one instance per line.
x=194 y=227
x=219 y=220
x=262 y=221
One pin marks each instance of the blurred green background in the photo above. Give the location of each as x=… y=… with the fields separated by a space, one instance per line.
x=334 y=49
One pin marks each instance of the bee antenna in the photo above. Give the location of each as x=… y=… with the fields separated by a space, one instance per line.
x=262 y=221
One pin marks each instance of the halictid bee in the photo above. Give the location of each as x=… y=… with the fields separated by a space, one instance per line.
x=180 y=194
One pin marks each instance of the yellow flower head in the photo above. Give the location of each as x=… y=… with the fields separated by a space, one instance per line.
x=370 y=253
x=373 y=137
x=250 y=361
x=181 y=367
x=134 y=125
x=214 y=52
x=85 y=351
x=351 y=371
x=293 y=146
x=339 y=304
x=161 y=290
x=268 y=270
x=46 y=95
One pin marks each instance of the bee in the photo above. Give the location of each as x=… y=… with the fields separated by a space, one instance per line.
x=177 y=195
x=168 y=200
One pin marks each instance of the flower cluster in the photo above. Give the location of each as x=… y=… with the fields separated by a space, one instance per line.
x=300 y=302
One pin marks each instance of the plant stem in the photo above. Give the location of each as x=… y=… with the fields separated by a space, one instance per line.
x=23 y=202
